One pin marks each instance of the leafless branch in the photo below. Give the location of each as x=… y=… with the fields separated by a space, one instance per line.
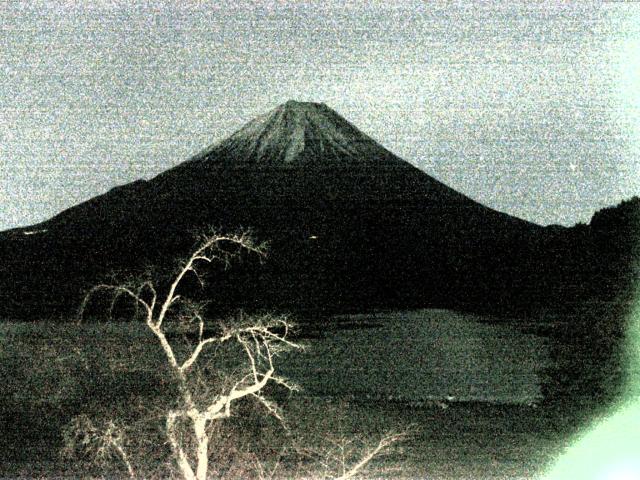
x=369 y=454
x=347 y=457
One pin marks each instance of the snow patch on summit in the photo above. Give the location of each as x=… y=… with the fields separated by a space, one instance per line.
x=300 y=132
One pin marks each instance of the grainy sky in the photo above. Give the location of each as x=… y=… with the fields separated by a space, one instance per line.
x=531 y=108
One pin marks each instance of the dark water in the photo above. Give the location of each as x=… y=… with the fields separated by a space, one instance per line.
x=422 y=355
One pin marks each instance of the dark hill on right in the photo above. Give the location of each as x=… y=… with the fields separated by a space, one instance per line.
x=597 y=262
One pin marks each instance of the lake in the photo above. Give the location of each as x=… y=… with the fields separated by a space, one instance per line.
x=52 y=372
x=421 y=355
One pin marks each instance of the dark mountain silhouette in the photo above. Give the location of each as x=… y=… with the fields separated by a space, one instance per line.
x=594 y=270
x=351 y=227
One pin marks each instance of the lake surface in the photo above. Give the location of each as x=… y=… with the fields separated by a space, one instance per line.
x=421 y=355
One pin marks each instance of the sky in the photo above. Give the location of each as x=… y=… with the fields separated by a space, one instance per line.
x=531 y=108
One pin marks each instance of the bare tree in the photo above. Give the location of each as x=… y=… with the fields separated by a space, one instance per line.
x=347 y=456
x=259 y=339
x=102 y=442
x=351 y=457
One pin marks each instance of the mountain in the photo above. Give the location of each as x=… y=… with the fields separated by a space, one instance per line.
x=351 y=227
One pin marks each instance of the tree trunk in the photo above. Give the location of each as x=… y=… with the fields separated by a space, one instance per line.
x=199 y=425
x=181 y=458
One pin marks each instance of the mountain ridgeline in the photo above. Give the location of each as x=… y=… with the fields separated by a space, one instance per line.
x=351 y=227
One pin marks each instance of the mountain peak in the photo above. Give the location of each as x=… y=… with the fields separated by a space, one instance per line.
x=297 y=106
x=296 y=133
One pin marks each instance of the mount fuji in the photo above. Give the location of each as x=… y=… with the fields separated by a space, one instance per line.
x=351 y=226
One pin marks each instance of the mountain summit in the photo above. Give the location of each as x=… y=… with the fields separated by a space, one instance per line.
x=298 y=133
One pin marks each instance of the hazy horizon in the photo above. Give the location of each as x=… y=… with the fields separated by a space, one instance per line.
x=531 y=109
